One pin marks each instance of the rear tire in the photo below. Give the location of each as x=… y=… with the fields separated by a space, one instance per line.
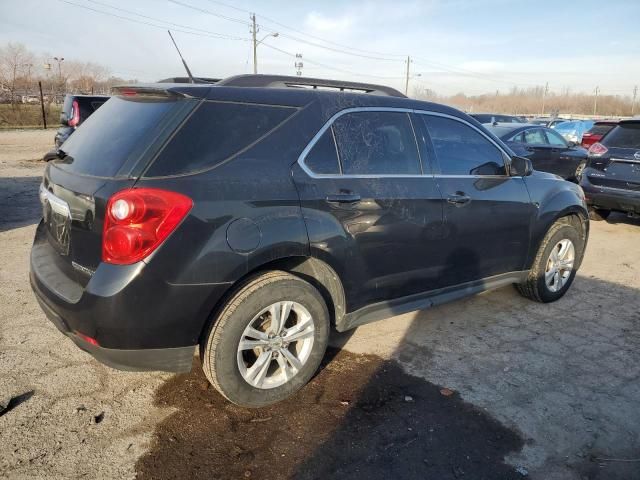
x=598 y=214
x=555 y=265
x=268 y=340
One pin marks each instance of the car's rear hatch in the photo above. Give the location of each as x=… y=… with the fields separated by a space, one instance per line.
x=106 y=154
x=619 y=167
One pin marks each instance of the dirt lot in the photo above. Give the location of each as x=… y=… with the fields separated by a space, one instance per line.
x=490 y=387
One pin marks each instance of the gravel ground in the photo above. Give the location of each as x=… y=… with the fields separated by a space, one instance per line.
x=553 y=389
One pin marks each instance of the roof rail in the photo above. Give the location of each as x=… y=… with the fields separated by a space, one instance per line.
x=284 y=81
x=188 y=80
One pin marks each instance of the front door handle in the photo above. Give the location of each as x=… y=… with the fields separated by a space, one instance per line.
x=458 y=199
x=343 y=198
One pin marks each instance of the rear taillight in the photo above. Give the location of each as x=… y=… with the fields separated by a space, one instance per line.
x=597 y=150
x=138 y=220
x=75 y=114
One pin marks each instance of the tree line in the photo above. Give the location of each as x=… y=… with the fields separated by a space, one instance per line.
x=535 y=101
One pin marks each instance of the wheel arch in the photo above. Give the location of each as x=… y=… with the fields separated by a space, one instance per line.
x=317 y=272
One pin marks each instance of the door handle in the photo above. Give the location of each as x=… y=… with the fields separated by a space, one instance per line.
x=459 y=199
x=343 y=198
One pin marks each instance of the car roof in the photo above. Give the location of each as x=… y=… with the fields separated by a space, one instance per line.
x=333 y=95
x=502 y=129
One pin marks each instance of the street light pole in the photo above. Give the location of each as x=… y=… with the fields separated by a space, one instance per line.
x=59 y=60
x=254 y=31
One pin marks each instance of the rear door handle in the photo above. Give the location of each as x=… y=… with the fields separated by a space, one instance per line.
x=459 y=199
x=343 y=198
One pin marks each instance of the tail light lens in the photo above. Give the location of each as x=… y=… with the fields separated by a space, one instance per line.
x=75 y=114
x=597 y=150
x=137 y=221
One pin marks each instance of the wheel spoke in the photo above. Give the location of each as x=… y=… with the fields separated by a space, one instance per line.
x=283 y=366
x=285 y=311
x=251 y=332
x=556 y=280
x=564 y=250
x=251 y=344
x=292 y=359
x=258 y=370
x=301 y=330
x=549 y=274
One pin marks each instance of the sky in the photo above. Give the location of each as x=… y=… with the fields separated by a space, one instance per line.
x=470 y=46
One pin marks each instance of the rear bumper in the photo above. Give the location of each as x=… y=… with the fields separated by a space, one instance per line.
x=608 y=198
x=176 y=359
x=138 y=320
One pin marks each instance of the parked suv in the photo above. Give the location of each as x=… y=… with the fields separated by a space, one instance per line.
x=611 y=175
x=246 y=219
x=75 y=110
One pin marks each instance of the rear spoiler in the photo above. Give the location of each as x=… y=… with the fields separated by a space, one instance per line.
x=167 y=90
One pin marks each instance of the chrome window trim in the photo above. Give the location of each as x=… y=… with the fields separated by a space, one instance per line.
x=346 y=111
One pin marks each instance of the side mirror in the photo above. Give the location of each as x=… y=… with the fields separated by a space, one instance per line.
x=520 y=167
x=571 y=144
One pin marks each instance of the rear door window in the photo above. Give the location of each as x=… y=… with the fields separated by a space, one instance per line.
x=462 y=150
x=626 y=135
x=217 y=131
x=118 y=133
x=377 y=143
x=535 y=136
x=555 y=138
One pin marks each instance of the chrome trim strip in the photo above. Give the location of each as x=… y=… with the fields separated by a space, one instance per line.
x=337 y=115
x=624 y=160
x=57 y=204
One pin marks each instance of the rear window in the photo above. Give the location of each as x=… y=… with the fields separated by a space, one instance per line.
x=626 y=135
x=112 y=140
x=600 y=129
x=217 y=131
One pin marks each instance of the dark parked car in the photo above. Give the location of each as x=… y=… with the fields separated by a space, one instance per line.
x=246 y=219
x=611 y=176
x=489 y=118
x=595 y=133
x=546 y=148
x=75 y=110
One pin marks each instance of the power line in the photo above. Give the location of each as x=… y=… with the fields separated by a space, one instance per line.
x=204 y=10
x=210 y=35
x=293 y=29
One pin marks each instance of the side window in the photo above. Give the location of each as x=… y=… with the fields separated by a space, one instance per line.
x=323 y=158
x=215 y=132
x=555 y=138
x=535 y=136
x=519 y=137
x=461 y=150
x=376 y=143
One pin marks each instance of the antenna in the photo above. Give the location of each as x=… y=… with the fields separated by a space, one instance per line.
x=183 y=62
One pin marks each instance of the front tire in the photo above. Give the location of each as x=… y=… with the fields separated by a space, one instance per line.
x=555 y=265
x=268 y=340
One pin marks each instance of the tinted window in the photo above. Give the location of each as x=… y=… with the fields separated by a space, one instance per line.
x=376 y=143
x=555 y=138
x=626 y=135
x=117 y=134
x=461 y=150
x=519 y=137
x=600 y=129
x=323 y=158
x=535 y=136
x=215 y=132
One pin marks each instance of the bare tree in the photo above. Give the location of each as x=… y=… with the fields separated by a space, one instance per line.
x=15 y=70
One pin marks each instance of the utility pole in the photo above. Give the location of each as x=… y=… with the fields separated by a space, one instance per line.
x=595 y=101
x=254 y=32
x=544 y=97
x=406 y=83
x=633 y=102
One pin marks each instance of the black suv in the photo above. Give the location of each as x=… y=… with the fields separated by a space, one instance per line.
x=246 y=219
x=611 y=175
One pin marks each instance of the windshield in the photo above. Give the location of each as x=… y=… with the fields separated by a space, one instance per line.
x=116 y=135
